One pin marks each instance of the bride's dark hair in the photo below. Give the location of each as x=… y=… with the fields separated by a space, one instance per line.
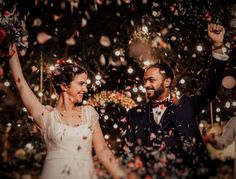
x=65 y=73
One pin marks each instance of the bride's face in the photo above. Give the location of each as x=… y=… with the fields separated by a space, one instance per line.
x=77 y=88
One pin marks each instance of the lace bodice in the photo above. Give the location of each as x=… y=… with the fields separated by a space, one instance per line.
x=67 y=142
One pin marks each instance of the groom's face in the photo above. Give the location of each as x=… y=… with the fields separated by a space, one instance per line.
x=154 y=83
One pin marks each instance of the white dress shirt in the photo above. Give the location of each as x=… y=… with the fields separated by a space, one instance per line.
x=159 y=111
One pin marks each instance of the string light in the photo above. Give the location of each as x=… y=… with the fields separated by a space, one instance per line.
x=6 y=83
x=218 y=110
x=234 y=103
x=178 y=93
x=106 y=117
x=199 y=48
x=173 y=38
x=40 y=94
x=52 y=68
x=217 y=119
x=115 y=126
x=130 y=70
x=194 y=55
x=139 y=99
x=141 y=88
x=53 y=96
x=182 y=81
x=145 y=29
x=88 y=81
x=118 y=140
x=201 y=125
x=154 y=13
x=98 y=77
x=117 y=53
x=106 y=136
x=98 y=83
x=227 y=104
x=135 y=89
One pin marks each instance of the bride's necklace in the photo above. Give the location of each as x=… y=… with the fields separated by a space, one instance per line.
x=74 y=116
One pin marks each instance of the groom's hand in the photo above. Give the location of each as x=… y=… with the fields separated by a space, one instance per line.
x=216 y=33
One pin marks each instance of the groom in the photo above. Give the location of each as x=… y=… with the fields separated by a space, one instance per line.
x=168 y=126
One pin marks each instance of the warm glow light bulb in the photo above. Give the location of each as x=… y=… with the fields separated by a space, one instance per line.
x=88 y=81
x=130 y=70
x=145 y=29
x=139 y=99
x=52 y=68
x=117 y=52
x=218 y=109
x=199 y=48
x=106 y=117
x=6 y=83
x=182 y=81
x=53 y=96
x=201 y=125
x=98 y=83
x=227 y=104
x=178 y=93
x=106 y=136
x=234 y=103
x=98 y=77
x=135 y=89
x=115 y=126
x=40 y=94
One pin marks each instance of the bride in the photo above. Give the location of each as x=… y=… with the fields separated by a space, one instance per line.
x=69 y=130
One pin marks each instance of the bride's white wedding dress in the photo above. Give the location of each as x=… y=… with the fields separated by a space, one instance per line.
x=69 y=149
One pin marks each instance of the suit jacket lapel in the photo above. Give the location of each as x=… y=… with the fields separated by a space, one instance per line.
x=170 y=106
x=147 y=118
x=164 y=117
x=149 y=113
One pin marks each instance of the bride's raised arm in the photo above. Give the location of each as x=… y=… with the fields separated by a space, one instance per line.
x=30 y=101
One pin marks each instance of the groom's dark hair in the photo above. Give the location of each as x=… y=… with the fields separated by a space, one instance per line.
x=168 y=73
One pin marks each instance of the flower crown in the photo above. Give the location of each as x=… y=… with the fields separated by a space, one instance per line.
x=61 y=66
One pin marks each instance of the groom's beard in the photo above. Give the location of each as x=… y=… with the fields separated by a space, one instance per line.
x=156 y=93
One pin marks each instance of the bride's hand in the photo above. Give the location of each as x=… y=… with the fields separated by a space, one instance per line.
x=12 y=49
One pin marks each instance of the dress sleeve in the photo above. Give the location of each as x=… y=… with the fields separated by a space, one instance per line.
x=45 y=117
x=93 y=116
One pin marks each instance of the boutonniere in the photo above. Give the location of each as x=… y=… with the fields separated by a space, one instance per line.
x=174 y=101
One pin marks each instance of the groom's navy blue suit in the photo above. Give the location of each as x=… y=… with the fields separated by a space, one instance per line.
x=178 y=129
